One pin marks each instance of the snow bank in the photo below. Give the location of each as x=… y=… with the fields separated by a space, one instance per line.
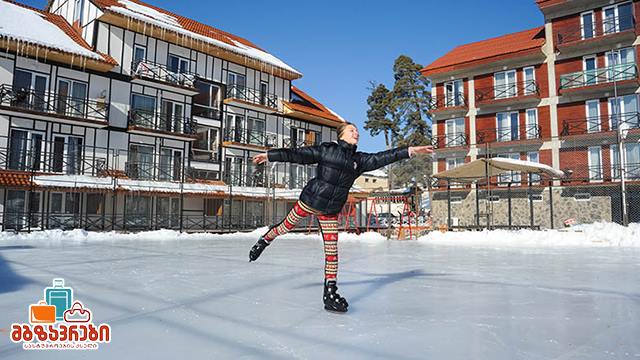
x=21 y=24
x=592 y=235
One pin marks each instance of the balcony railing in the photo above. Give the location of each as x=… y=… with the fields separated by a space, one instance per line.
x=606 y=27
x=52 y=103
x=147 y=170
x=598 y=76
x=254 y=176
x=450 y=140
x=206 y=112
x=596 y=173
x=444 y=101
x=162 y=122
x=631 y=171
x=252 y=95
x=595 y=124
x=160 y=72
x=52 y=157
x=507 y=91
x=243 y=136
x=530 y=131
x=289 y=143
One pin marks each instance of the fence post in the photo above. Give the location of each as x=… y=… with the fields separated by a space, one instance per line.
x=551 y=202
x=448 y=204
x=532 y=222
x=509 y=201
x=477 y=205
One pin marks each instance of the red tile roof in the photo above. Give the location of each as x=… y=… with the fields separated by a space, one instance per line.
x=61 y=23
x=468 y=55
x=15 y=179
x=318 y=109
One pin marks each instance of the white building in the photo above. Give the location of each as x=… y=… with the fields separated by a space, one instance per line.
x=121 y=115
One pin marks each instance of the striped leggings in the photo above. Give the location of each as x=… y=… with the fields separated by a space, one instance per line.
x=328 y=228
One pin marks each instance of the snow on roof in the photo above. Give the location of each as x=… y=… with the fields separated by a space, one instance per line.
x=184 y=26
x=377 y=173
x=23 y=24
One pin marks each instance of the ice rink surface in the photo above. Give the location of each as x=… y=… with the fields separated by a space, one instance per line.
x=202 y=299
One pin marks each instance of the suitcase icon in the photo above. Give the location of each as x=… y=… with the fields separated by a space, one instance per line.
x=59 y=296
x=41 y=313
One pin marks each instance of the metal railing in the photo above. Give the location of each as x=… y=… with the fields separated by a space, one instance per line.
x=52 y=103
x=598 y=76
x=631 y=171
x=289 y=143
x=254 y=176
x=162 y=122
x=206 y=112
x=253 y=96
x=449 y=140
x=244 y=136
x=610 y=26
x=145 y=170
x=596 y=124
x=507 y=91
x=160 y=72
x=443 y=101
x=52 y=157
x=530 y=131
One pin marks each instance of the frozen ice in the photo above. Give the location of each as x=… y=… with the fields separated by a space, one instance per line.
x=168 y=295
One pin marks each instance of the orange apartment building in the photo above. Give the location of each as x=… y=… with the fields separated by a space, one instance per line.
x=564 y=94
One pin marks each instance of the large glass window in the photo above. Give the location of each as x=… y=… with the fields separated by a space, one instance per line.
x=589 y=65
x=26 y=150
x=507 y=126
x=624 y=112
x=455 y=132
x=453 y=91
x=72 y=98
x=505 y=84
x=255 y=131
x=512 y=176
x=67 y=154
x=593 y=115
x=234 y=127
x=588 y=25
x=236 y=84
x=207 y=102
x=140 y=164
x=172 y=119
x=617 y=18
x=143 y=110
x=533 y=129
x=31 y=90
x=595 y=163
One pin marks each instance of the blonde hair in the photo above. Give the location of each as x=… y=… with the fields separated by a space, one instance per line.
x=342 y=127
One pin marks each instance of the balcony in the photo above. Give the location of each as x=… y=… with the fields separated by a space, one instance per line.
x=251 y=98
x=495 y=137
x=52 y=157
x=146 y=70
x=600 y=124
x=45 y=103
x=455 y=140
x=445 y=105
x=144 y=121
x=522 y=94
x=251 y=139
x=165 y=170
x=255 y=176
x=290 y=143
x=600 y=36
x=593 y=82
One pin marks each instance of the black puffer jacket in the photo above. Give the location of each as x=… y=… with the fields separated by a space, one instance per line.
x=338 y=167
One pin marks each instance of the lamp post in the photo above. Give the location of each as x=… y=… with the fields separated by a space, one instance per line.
x=622 y=134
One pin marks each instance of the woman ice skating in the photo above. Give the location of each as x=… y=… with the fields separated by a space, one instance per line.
x=339 y=164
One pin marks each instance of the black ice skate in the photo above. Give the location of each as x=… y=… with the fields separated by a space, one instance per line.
x=333 y=302
x=257 y=249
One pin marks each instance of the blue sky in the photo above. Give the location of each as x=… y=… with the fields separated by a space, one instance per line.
x=340 y=46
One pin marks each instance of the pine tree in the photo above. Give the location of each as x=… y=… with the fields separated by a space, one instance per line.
x=379 y=119
x=408 y=105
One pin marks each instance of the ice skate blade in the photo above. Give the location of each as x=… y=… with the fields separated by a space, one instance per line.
x=333 y=311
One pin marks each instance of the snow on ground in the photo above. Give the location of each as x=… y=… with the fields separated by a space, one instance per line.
x=168 y=295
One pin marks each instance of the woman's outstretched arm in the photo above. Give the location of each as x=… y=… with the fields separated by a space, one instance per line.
x=377 y=160
x=302 y=155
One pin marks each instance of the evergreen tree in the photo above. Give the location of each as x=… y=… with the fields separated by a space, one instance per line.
x=379 y=119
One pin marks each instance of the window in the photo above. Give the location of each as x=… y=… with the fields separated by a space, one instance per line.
x=505 y=84
x=67 y=154
x=236 y=84
x=168 y=212
x=26 y=150
x=170 y=168
x=533 y=129
x=213 y=207
x=582 y=197
x=512 y=177
x=234 y=127
x=138 y=211
x=173 y=117
x=177 y=64
x=588 y=25
x=72 y=97
x=263 y=93
x=589 y=66
x=595 y=163
x=233 y=170
x=453 y=92
x=31 y=90
x=207 y=140
x=631 y=161
x=77 y=11
x=296 y=176
x=95 y=204
x=534 y=156
x=621 y=64
x=143 y=110
x=65 y=203
x=530 y=87
x=624 y=112
x=617 y=18
x=366 y=180
x=455 y=132
x=593 y=115
x=507 y=126
x=256 y=131
x=453 y=163
x=207 y=102
x=140 y=164
x=139 y=53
